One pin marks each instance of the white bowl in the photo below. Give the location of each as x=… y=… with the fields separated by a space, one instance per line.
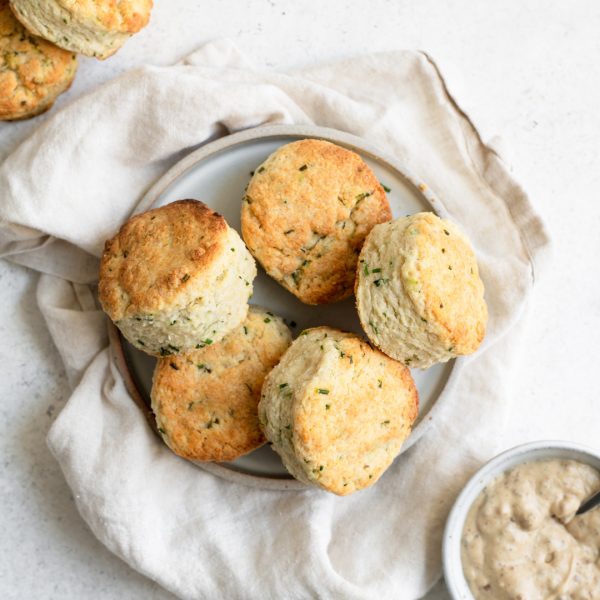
x=453 y=572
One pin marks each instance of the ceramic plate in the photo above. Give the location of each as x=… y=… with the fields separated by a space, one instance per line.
x=217 y=174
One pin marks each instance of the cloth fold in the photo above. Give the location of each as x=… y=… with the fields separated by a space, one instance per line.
x=77 y=179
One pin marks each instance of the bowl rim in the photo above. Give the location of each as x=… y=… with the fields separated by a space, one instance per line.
x=527 y=452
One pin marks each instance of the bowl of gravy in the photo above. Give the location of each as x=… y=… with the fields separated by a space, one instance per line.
x=512 y=533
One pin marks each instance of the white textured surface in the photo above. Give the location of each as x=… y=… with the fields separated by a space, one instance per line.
x=528 y=71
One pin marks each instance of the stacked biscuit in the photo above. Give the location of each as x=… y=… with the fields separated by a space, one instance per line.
x=40 y=39
x=176 y=281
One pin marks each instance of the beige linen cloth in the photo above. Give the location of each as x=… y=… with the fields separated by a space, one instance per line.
x=78 y=178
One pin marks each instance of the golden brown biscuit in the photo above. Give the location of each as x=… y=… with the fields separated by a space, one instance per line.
x=418 y=291
x=205 y=402
x=305 y=215
x=176 y=278
x=337 y=410
x=91 y=27
x=33 y=72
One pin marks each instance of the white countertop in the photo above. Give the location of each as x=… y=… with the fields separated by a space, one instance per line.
x=529 y=71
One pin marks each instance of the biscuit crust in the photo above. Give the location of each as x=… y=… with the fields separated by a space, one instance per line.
x=337 y=410
x=91 y=27
x=306 y=213
x=175 y=278
x=33 y=72
x=418 y=292
x=206 y=401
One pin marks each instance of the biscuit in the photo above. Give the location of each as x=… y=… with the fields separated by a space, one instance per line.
x=337 y=410
x=91 y=27
x=206 y=401
x=418 y=291
x=176 y=278
x=33 y=72
x=305 y=215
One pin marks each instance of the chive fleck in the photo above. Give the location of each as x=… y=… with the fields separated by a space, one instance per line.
x=374 y=327
x=386 y=188
x=249 y=387
x=446 y=232
x=322 y=391
x=327 y=406
x=282 y=385
x=362 y=196
x=379 y=383
x=378 y=270
x=267 y=320
x=366 y=269
x=386 y=422
x=245 y=330
x=141 y=343
x=303 y=168
x=261 y=169
x=185 y=278
x=161 y=430
x=288 y=231
x=174 y=366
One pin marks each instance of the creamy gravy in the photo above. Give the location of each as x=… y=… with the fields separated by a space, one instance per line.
x=519 y=542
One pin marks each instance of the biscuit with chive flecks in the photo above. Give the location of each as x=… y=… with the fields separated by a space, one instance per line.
x=91 y=27
x=336 y=410
x=206 y=401
x=33 y=72
x=418 y=291
x=306 y=213
x=176 y=278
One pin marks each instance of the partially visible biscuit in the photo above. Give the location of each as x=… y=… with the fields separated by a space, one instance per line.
x=337 y=410
x=33 y=72
x=91 y=27
x=206 y=401
x=306 y=213
x=176 y=278
x=418 y=292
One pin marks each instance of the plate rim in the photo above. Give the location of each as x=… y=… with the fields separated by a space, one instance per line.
x=224 y=144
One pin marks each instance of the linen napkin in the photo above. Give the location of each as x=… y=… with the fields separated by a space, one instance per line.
x=77 y=179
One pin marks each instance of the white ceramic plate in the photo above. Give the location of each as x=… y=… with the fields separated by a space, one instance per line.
x=217 y=174
x=544 y=450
